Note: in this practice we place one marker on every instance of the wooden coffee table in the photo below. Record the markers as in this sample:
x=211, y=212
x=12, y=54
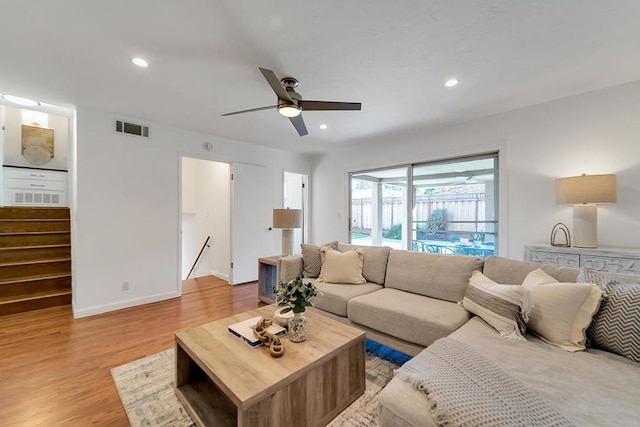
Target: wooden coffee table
x=221, y=381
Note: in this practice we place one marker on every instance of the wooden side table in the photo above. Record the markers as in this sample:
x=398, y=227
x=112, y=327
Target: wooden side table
x=267, y=278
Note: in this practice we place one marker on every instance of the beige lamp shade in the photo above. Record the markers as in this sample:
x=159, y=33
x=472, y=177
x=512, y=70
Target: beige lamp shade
x=287, y=218
x=581, y=189
x=584, y=192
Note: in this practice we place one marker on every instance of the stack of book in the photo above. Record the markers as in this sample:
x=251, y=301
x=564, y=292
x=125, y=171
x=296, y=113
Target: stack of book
x=244, y=331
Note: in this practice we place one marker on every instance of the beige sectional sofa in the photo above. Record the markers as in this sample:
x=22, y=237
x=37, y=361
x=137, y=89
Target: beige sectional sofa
x=411, y=300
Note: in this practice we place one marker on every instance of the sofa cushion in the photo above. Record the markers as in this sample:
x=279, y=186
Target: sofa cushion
x=311, y=260
x=374, y=268
x=592, y=387
x=438, y=276
x=562, y=312
x=341, y=267
x=616, y=326
x=401, y=404
x=512, y=272
x=505, y=307
x=410, y=317
x=334, y=297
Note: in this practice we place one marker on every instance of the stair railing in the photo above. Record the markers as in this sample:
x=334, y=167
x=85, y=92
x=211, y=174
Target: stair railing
x=206, y=245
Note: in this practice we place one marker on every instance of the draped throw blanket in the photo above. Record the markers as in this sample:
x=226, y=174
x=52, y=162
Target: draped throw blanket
x=464, y=388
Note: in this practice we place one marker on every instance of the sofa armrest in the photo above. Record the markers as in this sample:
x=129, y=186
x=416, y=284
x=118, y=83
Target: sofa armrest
x=289, y=267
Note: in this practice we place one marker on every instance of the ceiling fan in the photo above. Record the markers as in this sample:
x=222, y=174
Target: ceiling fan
x=290, y=103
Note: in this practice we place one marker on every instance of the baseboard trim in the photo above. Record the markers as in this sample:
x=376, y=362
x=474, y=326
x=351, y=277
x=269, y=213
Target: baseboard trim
x=99, y=309
x=220, y=275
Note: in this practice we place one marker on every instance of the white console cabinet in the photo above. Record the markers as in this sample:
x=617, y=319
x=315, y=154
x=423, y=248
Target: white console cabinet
x=613, y=260
x=34, y=187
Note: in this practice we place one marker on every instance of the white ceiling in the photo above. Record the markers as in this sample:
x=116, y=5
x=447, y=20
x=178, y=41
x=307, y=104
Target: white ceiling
x=393, y=56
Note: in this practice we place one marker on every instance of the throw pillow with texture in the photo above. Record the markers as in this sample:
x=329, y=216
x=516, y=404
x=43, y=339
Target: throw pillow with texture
x=616, y=326
x=311, y=260
x=561, y=311
x=341, y=267
x=587, y=275
x=505, y=307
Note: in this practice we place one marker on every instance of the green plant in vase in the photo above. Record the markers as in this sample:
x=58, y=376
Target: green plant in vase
x=296, y=295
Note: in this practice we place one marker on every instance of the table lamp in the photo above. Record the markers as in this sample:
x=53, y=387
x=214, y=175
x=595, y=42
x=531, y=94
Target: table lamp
x=584, y=192
x=287, y=220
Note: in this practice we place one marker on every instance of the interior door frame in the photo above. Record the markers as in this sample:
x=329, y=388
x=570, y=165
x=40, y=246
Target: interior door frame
x=305, y=200
x=181, y=155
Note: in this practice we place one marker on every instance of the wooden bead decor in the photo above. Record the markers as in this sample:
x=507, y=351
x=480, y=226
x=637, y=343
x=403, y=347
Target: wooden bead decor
x=275, y=345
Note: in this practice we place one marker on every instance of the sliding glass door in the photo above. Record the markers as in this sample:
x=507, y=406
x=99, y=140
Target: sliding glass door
x=379, y=207
x=445, y=207
x=455, y=206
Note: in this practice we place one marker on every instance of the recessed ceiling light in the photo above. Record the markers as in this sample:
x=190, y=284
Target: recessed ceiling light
x=25, y=102
x=451, y=83
x=140, y=62
x=323, y=126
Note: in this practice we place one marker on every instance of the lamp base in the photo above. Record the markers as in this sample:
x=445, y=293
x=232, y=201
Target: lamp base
x=287, y=241
x=585, y=226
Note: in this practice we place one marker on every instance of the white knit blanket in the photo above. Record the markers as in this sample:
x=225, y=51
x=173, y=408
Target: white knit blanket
x=464, y=388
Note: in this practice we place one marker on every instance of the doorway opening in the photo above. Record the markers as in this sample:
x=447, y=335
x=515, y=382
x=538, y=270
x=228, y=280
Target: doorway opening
x=295, y=193
x=205, y=213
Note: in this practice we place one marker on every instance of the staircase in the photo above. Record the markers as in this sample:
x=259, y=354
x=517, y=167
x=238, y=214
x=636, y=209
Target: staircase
x=35, y=258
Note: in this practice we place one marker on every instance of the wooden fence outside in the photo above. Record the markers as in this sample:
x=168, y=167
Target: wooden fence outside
x=458, y=207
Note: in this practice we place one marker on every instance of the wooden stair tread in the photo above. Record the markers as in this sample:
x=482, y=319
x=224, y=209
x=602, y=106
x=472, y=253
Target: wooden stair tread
x=60, y=245
x=34, y=296
x=34, y=219
x=34, y=278
x=20, y=233
x=35, y=261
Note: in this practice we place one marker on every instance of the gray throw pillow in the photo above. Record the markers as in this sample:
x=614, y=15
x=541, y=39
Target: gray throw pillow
x=616, y=326
x=311, y=260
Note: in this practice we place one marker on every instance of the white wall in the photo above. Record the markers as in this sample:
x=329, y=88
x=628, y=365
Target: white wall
x=126, y=217
x=206, y=207
x=597, y=132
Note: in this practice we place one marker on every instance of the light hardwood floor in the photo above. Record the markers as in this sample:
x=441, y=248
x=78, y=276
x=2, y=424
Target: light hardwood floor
x=55, y=371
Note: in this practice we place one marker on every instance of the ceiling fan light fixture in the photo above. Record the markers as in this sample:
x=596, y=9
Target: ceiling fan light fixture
x=289, y=110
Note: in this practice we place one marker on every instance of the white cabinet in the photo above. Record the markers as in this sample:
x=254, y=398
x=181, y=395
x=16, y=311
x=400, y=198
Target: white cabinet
x=34, y=187
x=613, y=260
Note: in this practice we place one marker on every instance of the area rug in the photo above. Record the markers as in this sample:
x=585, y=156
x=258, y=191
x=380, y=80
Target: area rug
x=146, y=390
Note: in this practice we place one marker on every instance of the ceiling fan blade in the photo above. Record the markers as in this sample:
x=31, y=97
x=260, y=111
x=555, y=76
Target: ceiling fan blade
x=328, y=105
x=298, y=123
x=250, y=110
x=275, y=84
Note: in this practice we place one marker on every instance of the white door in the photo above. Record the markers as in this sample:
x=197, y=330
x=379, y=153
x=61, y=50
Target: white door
x=251, y=218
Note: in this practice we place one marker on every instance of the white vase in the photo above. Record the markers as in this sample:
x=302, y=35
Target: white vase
x=298, y=328
x=281, y=318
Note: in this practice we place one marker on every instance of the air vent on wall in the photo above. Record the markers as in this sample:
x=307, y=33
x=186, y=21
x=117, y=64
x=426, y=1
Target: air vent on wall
x=132, y=129
x=30, y=198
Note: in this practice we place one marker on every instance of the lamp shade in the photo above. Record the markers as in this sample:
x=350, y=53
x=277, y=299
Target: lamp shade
x=287, y=218
x=581, y=189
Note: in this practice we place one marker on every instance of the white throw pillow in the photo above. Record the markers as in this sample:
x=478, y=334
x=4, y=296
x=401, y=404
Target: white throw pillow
x=341, y=267
x=561, y=311
x=505, y=307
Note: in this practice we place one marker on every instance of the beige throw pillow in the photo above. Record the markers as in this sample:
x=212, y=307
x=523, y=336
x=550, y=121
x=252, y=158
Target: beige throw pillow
x=311, y=261
x=341, y=267
x=505, y=307
x=561, y=311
